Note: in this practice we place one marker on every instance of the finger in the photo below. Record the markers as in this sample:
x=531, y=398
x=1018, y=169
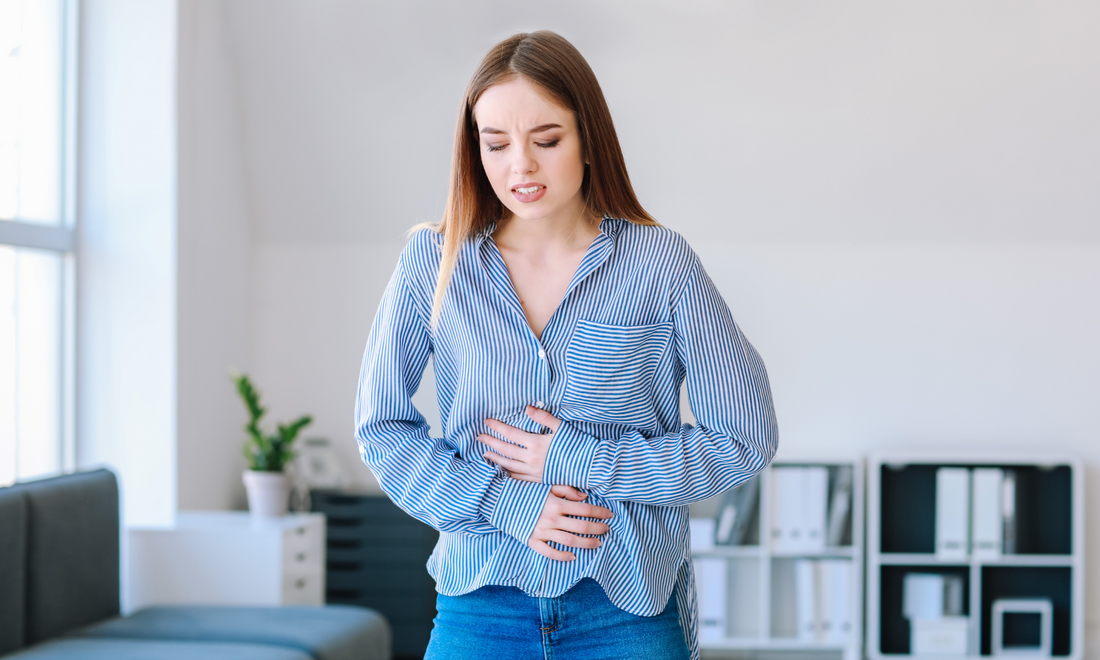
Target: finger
x=565, y=538
x=585, y=510
x=501, y=447
x=546, y=551
x=578, y=526
x=542, y=417
x=513, y=466
x=509, y=432
x=526, y=477
x=568, y=492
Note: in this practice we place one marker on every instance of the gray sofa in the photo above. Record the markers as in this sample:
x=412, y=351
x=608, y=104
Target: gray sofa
x=59, y=586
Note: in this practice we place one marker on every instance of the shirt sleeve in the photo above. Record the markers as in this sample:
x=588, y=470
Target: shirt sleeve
x=425, y=476
x=728, y=390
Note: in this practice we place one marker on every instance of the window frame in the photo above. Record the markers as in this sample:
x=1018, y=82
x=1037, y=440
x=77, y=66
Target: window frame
x=61, y=238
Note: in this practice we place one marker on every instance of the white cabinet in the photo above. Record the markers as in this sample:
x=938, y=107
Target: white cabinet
x=227, y=558
x=779, y=567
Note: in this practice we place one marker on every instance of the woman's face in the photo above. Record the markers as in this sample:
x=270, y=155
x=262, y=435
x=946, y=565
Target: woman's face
x=531, y=152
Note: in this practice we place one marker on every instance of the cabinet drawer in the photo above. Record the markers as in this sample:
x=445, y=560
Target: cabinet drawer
x=339, y=505
x=394, y=578
x=407, y=554
x=394, y=605
x=303, y=588
x=299, y=555
x=304, y=538
x=398, y=606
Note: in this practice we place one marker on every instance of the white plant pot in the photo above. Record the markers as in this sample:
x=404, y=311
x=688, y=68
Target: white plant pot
x=268, y=493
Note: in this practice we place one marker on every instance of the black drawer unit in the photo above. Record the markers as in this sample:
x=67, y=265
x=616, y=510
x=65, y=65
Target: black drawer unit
x=375, y=558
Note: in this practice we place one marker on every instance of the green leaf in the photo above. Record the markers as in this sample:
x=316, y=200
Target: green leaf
x=263, y=452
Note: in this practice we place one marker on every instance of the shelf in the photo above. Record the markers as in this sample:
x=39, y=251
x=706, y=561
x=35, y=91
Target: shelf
x=827, y=553
x=1029, y=560
x=756, y=551
x=1046, y=530
x=929, y=559
x=734, y=551
x=1051, y=583
x=767, y=644
x=1043, y=507
x=917, y=559
x=762, y=583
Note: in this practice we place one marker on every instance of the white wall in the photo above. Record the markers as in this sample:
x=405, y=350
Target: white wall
x=215, y=263
x=126, y=411
x=898, y=201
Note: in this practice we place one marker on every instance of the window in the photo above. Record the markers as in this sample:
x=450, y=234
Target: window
x=37, y=264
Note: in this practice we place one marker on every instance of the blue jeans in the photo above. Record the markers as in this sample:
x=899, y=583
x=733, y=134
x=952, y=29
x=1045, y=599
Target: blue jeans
x=503, y=623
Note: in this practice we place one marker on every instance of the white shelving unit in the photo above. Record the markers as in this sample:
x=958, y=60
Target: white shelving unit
x=761, y=599
x=1049, y=562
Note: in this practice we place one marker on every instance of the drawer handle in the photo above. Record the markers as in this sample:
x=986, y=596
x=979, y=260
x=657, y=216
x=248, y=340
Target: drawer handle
x=301, y=531
x=301, y=556
x=300, y=583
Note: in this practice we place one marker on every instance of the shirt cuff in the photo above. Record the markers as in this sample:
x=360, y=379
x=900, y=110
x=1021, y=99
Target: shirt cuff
x=514, y=506
x=570, y=458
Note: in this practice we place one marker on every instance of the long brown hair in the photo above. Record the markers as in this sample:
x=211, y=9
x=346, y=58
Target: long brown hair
x=557, y=68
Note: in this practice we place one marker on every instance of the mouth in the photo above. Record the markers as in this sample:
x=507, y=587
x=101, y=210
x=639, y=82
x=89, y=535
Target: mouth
x=528, y=192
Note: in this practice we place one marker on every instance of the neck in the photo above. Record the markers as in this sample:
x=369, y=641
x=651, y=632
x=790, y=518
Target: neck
x=568, y=232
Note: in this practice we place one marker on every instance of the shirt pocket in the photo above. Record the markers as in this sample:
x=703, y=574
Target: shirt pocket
x=610, y=371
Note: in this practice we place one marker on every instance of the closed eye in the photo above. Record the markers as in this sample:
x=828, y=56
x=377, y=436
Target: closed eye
x=545, y=145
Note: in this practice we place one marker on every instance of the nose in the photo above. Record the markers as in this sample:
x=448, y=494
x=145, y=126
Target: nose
x=523, y=161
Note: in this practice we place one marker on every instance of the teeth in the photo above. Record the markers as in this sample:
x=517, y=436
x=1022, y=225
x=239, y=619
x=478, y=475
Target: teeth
x=528, y=191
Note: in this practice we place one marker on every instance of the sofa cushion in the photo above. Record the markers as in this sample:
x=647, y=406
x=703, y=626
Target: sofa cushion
x=143, y=649
x=13, y=557
x=333, y=632
x=72, y=552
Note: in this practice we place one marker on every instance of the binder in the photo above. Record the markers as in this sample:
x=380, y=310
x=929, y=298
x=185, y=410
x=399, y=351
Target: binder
x=724, y=522
x=931, y=596
x=711, y=589
x=987, y=514
x=922, y=596
x=806, y=599
x=786, y=488
x=836, y=615
x=840, y=507
x=1008, y=511
x=952, y=595
x=736, y=513
x=815, y=501
x=702, y=534
x=952, y=513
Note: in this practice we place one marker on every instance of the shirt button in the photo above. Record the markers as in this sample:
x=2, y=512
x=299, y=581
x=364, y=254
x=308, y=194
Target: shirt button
x=542, y=354
x=538, y=404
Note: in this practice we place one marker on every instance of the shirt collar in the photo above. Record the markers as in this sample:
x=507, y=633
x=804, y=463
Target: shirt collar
x=608, y=226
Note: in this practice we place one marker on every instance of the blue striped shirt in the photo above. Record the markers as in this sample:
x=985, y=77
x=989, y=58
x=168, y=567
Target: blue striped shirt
x=639, y=318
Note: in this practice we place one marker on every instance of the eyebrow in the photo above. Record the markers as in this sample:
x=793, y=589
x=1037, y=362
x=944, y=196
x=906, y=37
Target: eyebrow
x=538, y=129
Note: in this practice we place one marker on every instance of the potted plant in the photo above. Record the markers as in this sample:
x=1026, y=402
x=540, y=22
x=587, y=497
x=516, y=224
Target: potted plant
x=268, y=488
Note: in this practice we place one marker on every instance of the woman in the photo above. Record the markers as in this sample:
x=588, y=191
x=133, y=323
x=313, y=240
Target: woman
x=562, y=320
